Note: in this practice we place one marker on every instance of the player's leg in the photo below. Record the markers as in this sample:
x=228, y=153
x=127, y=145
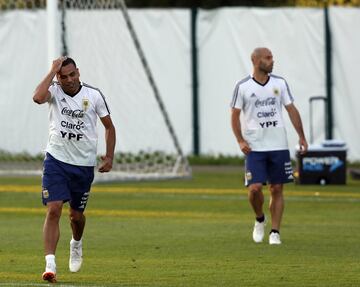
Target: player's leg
x=256, y=198
x=276, y=205
x=255, y=176
x=77, y=222
x=51, y=234
x=280, y=172
x=276, y=211
x=80, y=190
x=55, y=192
x=51, y=230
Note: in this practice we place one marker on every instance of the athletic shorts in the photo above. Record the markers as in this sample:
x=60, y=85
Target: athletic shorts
x=268, y=167
x=66, y=182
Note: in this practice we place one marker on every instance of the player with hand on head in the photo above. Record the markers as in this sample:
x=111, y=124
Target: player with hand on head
x=263, y=139
x=70, y=154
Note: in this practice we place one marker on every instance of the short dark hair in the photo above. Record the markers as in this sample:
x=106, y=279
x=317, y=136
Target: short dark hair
x=68, y=61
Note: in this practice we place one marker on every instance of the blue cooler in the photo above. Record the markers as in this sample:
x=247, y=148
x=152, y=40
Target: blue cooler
x=323, y=164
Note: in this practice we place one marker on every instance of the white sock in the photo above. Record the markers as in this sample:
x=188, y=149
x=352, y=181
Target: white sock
x=75, y=242
x=50, y=258
x=50, y=263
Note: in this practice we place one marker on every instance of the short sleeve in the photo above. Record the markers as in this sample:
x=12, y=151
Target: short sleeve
x=102, y=108
x=237, y=101
x=287, y=97
x=52, y=89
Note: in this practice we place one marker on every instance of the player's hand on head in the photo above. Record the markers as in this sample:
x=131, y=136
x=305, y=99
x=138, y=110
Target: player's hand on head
x=56, y=65
x=106, y=164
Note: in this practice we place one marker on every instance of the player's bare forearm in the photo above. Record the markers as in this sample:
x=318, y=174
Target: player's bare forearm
x=110, y=136
x=236, y=127
x=42, y=94
x=110, y=140
x=297, y=123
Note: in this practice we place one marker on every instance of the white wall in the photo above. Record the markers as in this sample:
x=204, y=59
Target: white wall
x=23, y=61
x=226, y=38
x=345, y=23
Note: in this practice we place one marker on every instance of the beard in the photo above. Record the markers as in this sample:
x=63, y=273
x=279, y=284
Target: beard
x=266, y=69
x=71, y=89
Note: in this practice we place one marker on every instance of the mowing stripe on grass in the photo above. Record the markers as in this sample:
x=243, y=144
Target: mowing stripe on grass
x=240, y=191
x=132, y=213
x=48, y=284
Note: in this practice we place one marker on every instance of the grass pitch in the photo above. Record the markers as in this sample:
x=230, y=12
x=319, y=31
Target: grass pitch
x=186, y=233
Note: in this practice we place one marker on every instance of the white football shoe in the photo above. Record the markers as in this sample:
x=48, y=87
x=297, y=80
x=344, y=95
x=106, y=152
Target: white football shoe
x=259, y=231
x=274, y=238
x=75, y=260
x=50, y=272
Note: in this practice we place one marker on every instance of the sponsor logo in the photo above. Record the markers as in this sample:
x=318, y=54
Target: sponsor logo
x=253, y=95
x=71, y=135
x=63, y=100
x=45, y=193
x=264, y=103
x=272, y=113
x=72, y=113
x=319, y=163
x=78, y=126
x=269, y=124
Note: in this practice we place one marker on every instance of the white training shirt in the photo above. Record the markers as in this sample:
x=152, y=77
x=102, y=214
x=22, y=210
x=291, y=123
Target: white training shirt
x=262, y=123
x=72, y=132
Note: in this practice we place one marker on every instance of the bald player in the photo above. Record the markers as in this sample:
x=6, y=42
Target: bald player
x=262, y=138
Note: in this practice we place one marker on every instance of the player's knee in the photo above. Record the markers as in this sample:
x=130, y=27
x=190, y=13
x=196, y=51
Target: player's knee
x=76, y=217
x=276, y=189
x=53, y=212
x=255, y=188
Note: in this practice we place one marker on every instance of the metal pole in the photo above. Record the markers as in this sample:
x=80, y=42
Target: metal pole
x=328, y=67
x=195, y=83
x=52, y=31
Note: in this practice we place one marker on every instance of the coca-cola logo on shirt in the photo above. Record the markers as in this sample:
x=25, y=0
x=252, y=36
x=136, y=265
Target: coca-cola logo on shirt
x=264, y=103
x=72, y=113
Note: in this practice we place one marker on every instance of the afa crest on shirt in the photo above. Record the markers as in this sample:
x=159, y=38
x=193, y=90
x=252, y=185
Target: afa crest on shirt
x=276, y=92
x=85, y=104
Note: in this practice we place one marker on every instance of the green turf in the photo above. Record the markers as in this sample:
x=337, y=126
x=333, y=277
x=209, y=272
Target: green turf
x=187, y=233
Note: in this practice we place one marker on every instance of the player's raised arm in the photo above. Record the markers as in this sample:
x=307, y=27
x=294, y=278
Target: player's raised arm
x=42, y=94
